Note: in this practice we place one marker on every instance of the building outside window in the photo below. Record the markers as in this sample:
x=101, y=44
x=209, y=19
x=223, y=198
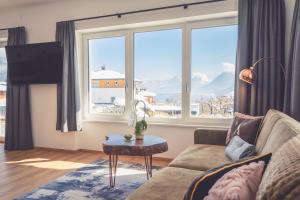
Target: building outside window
x=106, y=67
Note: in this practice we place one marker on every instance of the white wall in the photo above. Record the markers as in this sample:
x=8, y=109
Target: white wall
x=40, y=24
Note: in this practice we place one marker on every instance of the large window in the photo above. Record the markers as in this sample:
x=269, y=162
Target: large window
x=107, y=75
x=3, y=74
x=182, y=72
x=157, y=71
x=212, y=71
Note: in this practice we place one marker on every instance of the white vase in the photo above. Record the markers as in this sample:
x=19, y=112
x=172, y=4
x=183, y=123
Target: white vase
x=139, y=136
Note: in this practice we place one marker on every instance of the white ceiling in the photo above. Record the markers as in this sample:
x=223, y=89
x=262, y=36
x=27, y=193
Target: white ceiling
x=17, y=3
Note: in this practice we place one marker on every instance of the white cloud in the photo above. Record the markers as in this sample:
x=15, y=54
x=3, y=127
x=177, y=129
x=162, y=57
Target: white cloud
x=201, y=76
x=228, y=67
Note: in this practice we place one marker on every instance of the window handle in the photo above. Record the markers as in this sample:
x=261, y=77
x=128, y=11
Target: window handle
x=187, y=88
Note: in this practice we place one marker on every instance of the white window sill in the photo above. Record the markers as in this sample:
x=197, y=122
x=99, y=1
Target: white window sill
x=195, y=123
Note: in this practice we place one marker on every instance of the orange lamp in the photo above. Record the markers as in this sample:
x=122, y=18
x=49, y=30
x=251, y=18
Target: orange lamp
x=248, y=75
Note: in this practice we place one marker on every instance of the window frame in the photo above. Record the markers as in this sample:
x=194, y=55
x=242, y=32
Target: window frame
x=186, y=27
x=200, y=25
x=86, y=76
x=3, y=44
x=3, y=38
x=164, y=28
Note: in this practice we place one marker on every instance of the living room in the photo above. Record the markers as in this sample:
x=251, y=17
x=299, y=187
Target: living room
x=147, y=75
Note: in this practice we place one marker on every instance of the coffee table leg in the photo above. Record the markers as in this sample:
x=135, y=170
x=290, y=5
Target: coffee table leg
x=113, y=163
x=148, y=164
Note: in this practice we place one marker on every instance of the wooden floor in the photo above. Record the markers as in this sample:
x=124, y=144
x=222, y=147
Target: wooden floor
x=24, y=171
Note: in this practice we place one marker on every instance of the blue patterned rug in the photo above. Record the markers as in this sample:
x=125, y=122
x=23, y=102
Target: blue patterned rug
x=92, y=182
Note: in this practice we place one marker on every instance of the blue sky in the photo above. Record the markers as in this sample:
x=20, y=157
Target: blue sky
x=213, y=50
x=109, y=52
x=158, y=56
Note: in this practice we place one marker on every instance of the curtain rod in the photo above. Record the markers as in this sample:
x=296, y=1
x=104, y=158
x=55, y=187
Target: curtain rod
x=6, y=29
x=119, y=15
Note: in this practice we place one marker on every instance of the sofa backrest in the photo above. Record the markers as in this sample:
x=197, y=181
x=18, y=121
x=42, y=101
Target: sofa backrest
x=282, y=176
x=276, y=129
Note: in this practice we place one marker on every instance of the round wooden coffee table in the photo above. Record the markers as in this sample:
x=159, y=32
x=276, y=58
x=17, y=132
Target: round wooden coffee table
x=116, y=145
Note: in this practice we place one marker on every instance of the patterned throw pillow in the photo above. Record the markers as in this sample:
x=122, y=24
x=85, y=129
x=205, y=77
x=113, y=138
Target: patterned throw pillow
x=202, y=184
x=246, y=126
x=238, y=149
x=239, y=183
x=281, y=180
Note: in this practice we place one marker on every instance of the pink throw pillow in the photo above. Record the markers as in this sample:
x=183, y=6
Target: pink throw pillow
x=239, y=183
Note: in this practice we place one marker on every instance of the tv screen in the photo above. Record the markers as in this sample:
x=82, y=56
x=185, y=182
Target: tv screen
x=35, y=63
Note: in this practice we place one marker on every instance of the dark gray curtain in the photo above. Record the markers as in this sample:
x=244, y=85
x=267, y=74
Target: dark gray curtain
x=261, y=34
x=68, y=100
x=292, y=91
x=18, y=130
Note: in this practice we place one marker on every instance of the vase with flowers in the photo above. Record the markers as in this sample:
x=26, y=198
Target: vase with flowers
x=140, y=125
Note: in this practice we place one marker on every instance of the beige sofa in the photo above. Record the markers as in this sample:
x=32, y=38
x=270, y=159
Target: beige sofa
x=172, y=182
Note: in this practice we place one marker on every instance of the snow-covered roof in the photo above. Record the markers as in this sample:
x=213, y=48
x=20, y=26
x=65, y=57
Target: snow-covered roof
x=144, y=93
x=120, y=102
x=106, y=75
x=109, y=75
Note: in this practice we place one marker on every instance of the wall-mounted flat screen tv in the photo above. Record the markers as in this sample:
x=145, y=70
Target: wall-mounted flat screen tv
x=35, y=63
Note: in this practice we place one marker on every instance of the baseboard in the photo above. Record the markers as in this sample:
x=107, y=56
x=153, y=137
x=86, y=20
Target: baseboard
x=91, y=151
x=54, y=149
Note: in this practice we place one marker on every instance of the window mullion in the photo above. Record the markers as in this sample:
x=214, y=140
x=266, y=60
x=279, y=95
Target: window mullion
x=129, y=69
x=186, y=71
x=86, y=89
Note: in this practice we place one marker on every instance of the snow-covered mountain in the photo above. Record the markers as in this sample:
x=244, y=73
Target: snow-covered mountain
x=200, y=79
x=221, y=85
x=172, y=85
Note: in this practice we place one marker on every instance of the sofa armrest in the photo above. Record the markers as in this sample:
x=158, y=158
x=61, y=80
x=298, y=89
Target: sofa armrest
x=210, y=136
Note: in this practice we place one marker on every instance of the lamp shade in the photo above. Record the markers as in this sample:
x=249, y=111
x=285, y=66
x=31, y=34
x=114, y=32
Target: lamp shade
x=248, y=75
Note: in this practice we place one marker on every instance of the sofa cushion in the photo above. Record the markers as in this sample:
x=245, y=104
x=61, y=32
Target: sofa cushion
x=201, y=157
x=239, y=183
x=283, y=130
x=168, y=184
x=266, y=127
x=238, y=149
x=281, y=180
x=246, y=126
x=200, y=187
